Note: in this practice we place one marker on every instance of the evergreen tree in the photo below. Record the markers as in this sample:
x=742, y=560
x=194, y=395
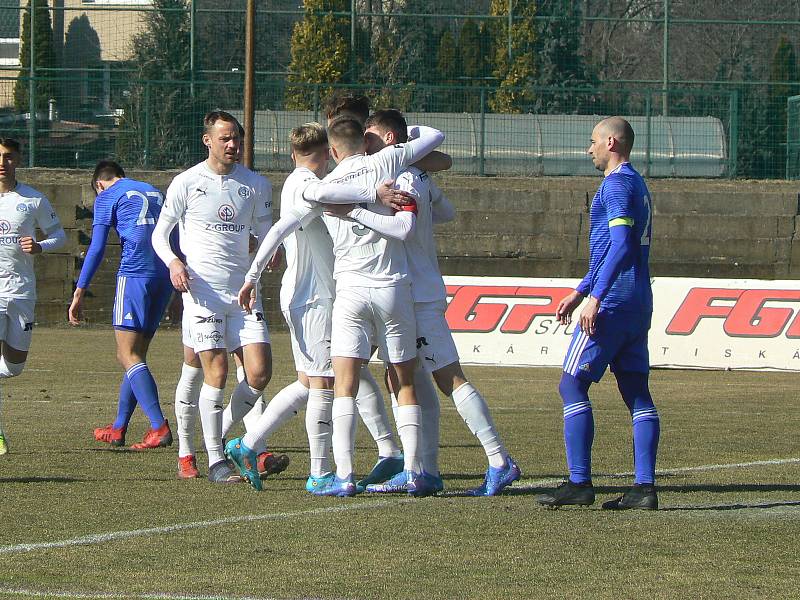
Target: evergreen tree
x=472, y=50
x=45, y=58
x=783, y=68
x=160, y=115
x=320, y=52
x=517, y=72
x=559, y=60
x=81, y=50
x=447, y=70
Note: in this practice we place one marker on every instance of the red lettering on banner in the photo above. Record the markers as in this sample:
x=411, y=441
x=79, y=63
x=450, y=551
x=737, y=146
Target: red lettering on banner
x=467, y=313
x=750, y=318
x=697, y=306
x=747, y=317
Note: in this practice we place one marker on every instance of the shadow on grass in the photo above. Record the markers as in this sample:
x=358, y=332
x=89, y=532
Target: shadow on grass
x=42, y=479
x=738, y=506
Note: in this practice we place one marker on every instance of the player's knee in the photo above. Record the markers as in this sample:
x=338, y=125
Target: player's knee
x=9, y=369
x=572, y=389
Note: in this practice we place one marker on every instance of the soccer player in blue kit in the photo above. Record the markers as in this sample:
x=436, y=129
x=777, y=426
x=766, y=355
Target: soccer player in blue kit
x=143, y=293
x=613, y=325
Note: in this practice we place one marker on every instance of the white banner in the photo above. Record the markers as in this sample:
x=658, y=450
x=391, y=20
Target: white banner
x=697, y=323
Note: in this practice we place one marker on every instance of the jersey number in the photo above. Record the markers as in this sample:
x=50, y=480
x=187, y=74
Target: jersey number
x=646, y=234
x=144, y=218
x=361, y=230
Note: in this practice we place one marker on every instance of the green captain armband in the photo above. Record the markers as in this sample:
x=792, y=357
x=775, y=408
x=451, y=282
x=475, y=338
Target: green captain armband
x=621, y=221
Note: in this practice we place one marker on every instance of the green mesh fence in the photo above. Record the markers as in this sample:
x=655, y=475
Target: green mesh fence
x=516, y=85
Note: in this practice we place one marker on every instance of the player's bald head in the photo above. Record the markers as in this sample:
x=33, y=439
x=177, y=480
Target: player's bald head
x=620, y=130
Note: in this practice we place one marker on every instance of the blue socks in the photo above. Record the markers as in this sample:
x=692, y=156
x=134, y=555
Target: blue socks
x=126, y=404
x=578, y=427
x=646, y=424
x=146, y=392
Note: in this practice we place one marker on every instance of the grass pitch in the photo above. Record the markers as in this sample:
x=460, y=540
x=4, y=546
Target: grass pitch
x=81, y=520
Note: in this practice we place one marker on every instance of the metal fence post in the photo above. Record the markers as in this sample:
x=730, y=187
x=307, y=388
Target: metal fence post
x=733, y=149
x=316, y=102
x=192, y=16
x=146, y=124
x=665, y=66
x=32, y=88
x=482, y=148
x=648, y=110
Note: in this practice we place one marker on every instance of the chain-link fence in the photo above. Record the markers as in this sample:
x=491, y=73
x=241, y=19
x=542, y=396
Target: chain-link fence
x=706, y=84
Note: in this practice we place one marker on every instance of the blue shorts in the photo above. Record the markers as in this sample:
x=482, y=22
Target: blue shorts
x=140, y=303
x=620, y=340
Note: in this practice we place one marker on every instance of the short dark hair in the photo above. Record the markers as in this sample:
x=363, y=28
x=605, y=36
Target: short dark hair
x=105, y=170
x=220, y=115
x=344, y=103
x=12, y=144
x=347, y=132
x=389, y=119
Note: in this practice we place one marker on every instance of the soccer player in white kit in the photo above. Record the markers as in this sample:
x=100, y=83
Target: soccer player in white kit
x=219, y=203
x=307, y=292
x=437, y=352
x=373, y=300
x=22, y=210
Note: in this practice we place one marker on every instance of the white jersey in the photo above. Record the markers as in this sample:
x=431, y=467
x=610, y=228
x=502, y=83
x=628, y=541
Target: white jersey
x=22, y=210
x=423, y=262
x=364, y=257
x=309, y=250
x=215, y=215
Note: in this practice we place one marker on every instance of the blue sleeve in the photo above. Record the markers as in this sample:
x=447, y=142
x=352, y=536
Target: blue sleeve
x=620, y=252
x=94, y=254
x=616, y=197
x=585, y=284
x=104, y=206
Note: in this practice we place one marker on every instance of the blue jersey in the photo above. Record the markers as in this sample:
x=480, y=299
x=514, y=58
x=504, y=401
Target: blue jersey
x=623, y=197
x=132, y=208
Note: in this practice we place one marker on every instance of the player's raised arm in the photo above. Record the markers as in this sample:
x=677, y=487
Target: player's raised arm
x=398, y=157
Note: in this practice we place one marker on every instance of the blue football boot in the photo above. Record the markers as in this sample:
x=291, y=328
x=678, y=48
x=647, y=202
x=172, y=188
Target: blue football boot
x=420, y=484
x=396, y=485
x=337, y=487
x=315, y=483
x=497, y=479
x=384, y=469
x=246, y=460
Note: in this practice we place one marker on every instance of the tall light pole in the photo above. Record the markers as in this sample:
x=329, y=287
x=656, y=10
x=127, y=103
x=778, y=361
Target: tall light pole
x=249, y=84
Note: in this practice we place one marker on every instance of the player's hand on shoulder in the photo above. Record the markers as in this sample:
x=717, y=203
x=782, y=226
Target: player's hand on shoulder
x=392, y=197
x=29, y=245
x=179, y=276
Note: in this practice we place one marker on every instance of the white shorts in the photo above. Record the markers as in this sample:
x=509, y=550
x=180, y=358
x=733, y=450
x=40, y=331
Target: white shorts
x=310, y=326
x=219, y=322
x=361, y=314
x=16, y=322
x=186, y=330
x=435, y=346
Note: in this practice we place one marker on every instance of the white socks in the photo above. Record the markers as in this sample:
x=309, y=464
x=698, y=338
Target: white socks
x=475, y=412
x=408, y=426
x=243, y=400
x=372, y=409
x=428, y=401
x=280, y=409
x=210, y=404
x=8, y=369
x=250, y=420
x=186, y=398
x=344, y=434
x=319, y=421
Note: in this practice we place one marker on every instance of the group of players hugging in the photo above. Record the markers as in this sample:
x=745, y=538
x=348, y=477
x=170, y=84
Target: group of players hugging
x=361, y=274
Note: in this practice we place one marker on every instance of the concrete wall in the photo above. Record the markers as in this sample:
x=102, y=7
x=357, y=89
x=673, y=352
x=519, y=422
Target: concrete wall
x=505, y=227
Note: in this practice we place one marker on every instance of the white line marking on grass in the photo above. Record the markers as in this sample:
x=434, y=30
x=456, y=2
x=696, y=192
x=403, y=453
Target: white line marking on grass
x=106, y=595
x=102, y=538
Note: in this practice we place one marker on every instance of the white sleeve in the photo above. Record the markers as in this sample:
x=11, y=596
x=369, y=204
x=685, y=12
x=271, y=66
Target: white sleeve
x=399, y=226
x=263, y=205
x=174, y=208
x=400, y=156
x=269, y=244
x=442, y=209
x=46, y=217
x=54, y=241
x=338, y=193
